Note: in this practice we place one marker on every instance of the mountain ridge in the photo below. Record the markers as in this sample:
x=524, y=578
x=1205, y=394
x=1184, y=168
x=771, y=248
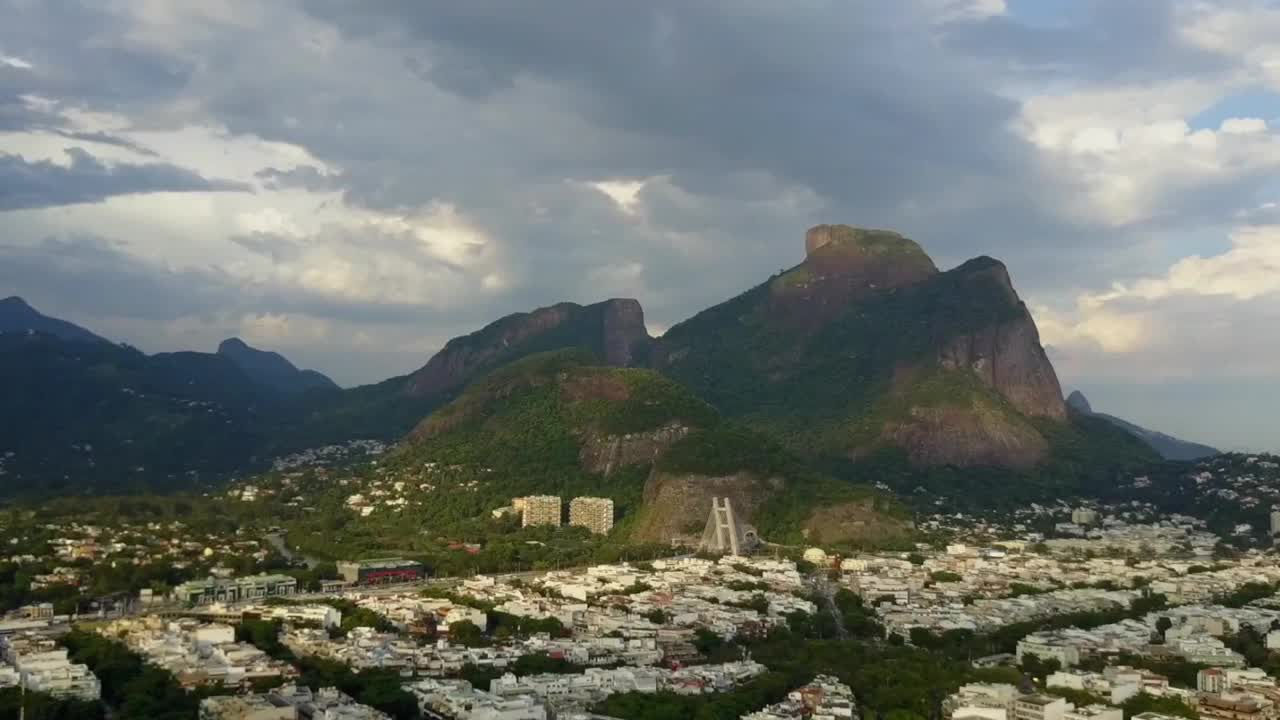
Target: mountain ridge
x=614, y=329
x=272, y=369
x=17, y=315
x=1169, y=447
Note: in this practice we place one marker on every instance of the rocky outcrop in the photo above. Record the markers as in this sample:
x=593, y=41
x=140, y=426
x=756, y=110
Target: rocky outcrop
x=624, y=336
x=966, y=437
x=1078, y=402
x=842, y=265
x=613, y=329
x=606, y=453
x=676, y=506
x=1005, y=350
x=1169, y=447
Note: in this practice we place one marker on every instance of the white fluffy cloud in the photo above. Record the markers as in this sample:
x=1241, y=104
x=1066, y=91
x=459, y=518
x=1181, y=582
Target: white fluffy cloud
x=1204, y=317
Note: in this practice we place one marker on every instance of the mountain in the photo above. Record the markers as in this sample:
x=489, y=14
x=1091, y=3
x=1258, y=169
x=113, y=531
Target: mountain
x=864, y=351
x=614, y=330
x=559, y=423
x=79, y=417
x=272, y=369
x=1169, y=447
x=866, y=345
x=202, y=415
x=17, y=316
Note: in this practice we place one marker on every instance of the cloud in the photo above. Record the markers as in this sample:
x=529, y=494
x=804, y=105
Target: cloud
x=1203, y=317
x=306, y=177
x=14, y=62
x=86, y=179
x=420, y=167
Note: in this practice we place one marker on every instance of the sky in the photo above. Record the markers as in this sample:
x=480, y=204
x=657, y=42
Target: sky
x=353, y=183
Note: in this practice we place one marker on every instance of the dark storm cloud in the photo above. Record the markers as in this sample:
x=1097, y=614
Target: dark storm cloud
x=78, y=58
x=25, y=185
x=98, y=278
x=853, y=102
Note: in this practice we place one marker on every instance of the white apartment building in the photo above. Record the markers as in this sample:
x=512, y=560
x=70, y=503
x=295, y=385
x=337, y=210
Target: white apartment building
x=1067, y=655
x=1040, y=707
x=41, y=665
x=1094, y=712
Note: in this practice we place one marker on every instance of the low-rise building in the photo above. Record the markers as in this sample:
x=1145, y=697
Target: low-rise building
x=1040, y=707
x=1233, y=706
x=230, y=590
x=381, y=571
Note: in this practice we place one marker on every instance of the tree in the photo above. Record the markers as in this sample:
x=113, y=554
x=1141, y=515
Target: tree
x=1039, y=669
x=656, y=616
x=1163, y=625
x=465, y=632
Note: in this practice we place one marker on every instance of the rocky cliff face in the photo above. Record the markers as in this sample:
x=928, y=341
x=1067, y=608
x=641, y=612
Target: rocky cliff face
x=676, y=506
x=966, y=436
x=843, y=265
x=613, y=329
x=1004, y=351
x=605, y=453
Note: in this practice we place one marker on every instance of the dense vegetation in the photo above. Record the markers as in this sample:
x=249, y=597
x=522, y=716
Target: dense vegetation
x=134, y=689
x=39, y=706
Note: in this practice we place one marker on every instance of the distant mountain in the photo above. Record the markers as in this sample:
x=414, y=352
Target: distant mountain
x=17, y=316
x=81, y=417
x=272, y=369
x=866, y=346
x=1169, y=447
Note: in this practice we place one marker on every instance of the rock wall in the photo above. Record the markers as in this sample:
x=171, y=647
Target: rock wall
x=1006, y=354
x=614, y=328
x=676, y=506
x=966, y=437
x=606, y=453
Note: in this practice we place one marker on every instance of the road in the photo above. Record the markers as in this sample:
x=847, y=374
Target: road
x=277, y=541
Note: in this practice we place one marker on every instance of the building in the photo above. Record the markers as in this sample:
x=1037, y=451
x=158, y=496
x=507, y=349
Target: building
x=1094, y=712
x=1084, y=516
x=1048, y=649
x=229, y=590
x=592, y=513
x=381, y=571
x=1234, y=707
x=980, y=701
x=1040, y=707
x=41, y=665
x=541, y=510
x=245, y=707
x=1275, y=522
